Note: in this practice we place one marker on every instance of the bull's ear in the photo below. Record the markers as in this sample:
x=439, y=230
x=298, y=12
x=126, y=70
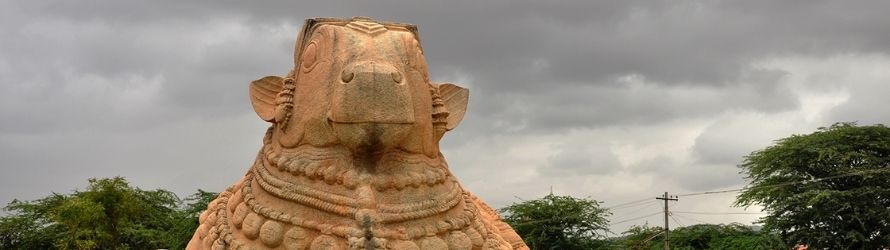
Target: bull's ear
x=263, y=94
x=455, y=99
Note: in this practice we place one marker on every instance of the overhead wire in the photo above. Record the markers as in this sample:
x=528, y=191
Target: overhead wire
x=648, y=202
x=629, y=203
x=694, y=219
x=653, y=236
x=636, y=218
x=644, y=216
x=671, y=214
x=634, y=212
x=545, y=220
x=715, y=213
x=576, y=216
x=861, y=172
x=714, y=192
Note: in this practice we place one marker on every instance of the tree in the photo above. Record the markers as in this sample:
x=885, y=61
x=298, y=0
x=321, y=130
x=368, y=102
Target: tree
x=559, y=222
x=702, y=236
x=30, y=227
x=829, y=189
x=109, y=214
x=724, y=236
x=186, y=219
x=642, y=237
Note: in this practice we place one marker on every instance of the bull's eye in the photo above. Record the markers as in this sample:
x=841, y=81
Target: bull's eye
x=309, y=56
x=397, y=77
x=346, y=76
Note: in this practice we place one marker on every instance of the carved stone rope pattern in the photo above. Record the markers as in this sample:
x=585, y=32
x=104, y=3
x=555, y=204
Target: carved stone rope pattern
x=252, y=218
x=345, y=206
x=334, y=167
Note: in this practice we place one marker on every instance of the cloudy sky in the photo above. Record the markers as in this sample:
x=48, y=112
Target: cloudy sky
x=618, y=101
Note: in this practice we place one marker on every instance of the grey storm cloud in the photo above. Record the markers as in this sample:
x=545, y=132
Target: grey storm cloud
x=514, y=51
x=580, y=157
x=157, y=90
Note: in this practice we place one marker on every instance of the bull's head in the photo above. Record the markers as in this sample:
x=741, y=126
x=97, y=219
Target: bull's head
x=360, y=84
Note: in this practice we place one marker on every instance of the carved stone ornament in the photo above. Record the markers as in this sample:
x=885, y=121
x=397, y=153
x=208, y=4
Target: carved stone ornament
x=352, y=158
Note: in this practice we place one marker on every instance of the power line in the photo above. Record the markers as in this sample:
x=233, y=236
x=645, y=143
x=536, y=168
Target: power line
x=632, y=213
x=577, y=216
x=637, y=218
x=548, y=219
x=713, y=192
x=715, y=213
x=613, y=233
x=650, y=238
x=648, y=202
x=862, y=172
x=675, y=220
x=654, y=202
x=694, y=219
x=629, y=203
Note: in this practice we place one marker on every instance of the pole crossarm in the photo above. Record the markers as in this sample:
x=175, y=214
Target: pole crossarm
x=667, y=229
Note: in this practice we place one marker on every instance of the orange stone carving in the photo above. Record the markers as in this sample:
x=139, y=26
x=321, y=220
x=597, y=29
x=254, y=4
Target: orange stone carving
x=352, y=158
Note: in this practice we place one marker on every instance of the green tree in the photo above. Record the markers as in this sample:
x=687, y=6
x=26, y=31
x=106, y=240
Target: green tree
x=30, y=225
x=702, y=236
x=80, y=217
x=829, y=189
x=559, y=222
x=642, y=237
x=185, y=221
x=724, y=236
x=109, y=214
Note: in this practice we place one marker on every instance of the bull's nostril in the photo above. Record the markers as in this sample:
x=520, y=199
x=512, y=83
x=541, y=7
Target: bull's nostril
x=396, y=76
x=347, y=76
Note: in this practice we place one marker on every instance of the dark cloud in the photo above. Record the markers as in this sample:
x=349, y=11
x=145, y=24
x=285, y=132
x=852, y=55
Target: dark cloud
x=683, y=175
x=156, y=91
x=514, y=51
x=866, y=86
x=632, y=100
x=580, y=158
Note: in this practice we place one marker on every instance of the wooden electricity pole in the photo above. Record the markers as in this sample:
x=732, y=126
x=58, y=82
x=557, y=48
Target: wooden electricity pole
x=667, y=230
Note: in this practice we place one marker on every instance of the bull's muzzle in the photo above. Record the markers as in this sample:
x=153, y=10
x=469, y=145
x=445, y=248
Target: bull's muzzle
x=371, y=92
x=371, y=107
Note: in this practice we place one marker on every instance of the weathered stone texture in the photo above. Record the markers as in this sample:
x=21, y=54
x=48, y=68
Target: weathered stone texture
x=352, y=158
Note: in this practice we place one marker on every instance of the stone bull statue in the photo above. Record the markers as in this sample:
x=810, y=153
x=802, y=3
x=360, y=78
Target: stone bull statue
x=352, y=158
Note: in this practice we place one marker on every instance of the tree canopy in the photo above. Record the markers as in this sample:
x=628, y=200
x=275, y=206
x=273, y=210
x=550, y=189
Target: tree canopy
x=702, y=236
x=559, y=222
x=109, y=214
x=829, y=189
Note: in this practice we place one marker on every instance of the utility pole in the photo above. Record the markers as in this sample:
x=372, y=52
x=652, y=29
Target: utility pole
x=667, y=229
